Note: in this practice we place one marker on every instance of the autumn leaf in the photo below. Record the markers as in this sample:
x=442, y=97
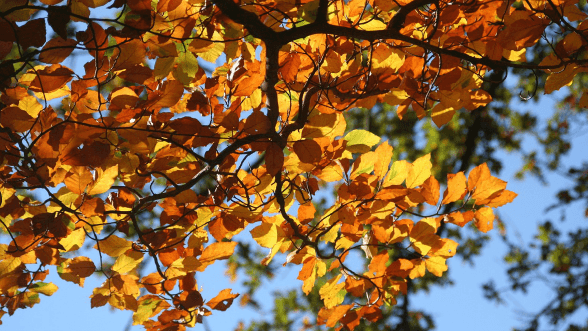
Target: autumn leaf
x=430, y=190
x=223, y=300
x=330, y=317
x=274, y=159
x=51, y=78
x=44, y=288
x=148, y=307
x=188, y=121
x=419, y=172
x=216, y=251
x=423, y=236
x=81, y=266
x=74, y=241
x=56, y=50
x=360, y=141
x=308, y=151
x=484, y=219
x=456, y=188
x=114, y=246
x=127, y=262
x=104, y=180
x=331, y=292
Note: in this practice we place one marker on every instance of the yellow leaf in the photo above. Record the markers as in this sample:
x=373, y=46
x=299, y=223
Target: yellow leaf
x=445, y=247
x=266, y=234
x=74, y=240
x=44, y=288
x=384, y=154
x=373, y=25
x=149, y=306
x=9, y=264
x=360, y=141
x=436, y=265
x=397, y=173
x=331, y=173
x=104, y=180
x=423, y=237
x=114, y=246
x=330, y=292
x=396, y=96
x=364, y=164
x=420, y=171
x=418, y=270
x=30, y=105
x=127, y=262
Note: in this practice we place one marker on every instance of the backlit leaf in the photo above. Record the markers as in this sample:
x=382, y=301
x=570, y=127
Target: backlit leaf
x=127, y=262
x=419, y=172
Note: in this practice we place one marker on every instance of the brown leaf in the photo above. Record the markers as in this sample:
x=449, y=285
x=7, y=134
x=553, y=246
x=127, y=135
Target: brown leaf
x=58, y=17
x=274, y=159
x=308, y=151
x=56, y=50
x=32, y=33
x=51, y=78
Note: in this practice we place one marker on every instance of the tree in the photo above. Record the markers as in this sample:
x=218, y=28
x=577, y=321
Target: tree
x=145, y=154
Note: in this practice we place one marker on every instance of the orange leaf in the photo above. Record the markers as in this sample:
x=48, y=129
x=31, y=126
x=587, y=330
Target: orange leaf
x=217, y=251
x=423, y=235
x=484, y=219
x=505, y=197
x=478, y=174
x=456, y=188
x=400, y=268
x=488, y=189
x=330, y=317
x=223, y=300
x=442, y=114
x=430, y=191
x=557, y=80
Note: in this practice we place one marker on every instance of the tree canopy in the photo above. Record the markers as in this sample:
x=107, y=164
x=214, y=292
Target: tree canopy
x=196, y=128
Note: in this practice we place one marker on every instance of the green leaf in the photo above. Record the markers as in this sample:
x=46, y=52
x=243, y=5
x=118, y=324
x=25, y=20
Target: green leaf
x=361, y=141
x=187, y=67
x=44, y=288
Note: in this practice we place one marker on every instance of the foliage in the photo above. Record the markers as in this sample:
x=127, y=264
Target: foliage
x=144, y=155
